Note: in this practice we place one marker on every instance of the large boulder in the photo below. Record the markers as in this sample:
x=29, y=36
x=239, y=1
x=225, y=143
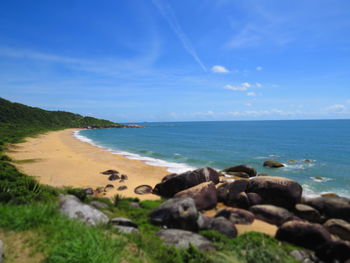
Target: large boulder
x=334, y=251
x=168, y=188
x=180, y=213
x=72, y=207
x=254, y=199
x=183, y=239
x=251, y=171
x=224, y=226
x=204, y=195
x=236, y=215
x=222, y=191
x=271, y=214
x=273, y=164
x=308, y=213
x=124, y=225
x=303, y=234
x=279, y=191
x=331, y=206
x=338, y=227
x=234, y=190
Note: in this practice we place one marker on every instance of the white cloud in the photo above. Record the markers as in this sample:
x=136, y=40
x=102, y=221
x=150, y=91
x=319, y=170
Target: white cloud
x=259, y=68
x=251, y=94
x=235, y=88
x=258, y=85
x=248, y=104
x=219, y=69
x=246, y=85
x=336, y=108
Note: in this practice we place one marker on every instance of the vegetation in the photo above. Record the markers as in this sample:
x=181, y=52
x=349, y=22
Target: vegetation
x=28, y=207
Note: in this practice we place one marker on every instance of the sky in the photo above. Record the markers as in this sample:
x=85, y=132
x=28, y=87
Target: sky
x=178, y=60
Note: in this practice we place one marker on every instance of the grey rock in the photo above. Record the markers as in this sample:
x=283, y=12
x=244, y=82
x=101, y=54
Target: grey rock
x=272, y=214
x=183, y=239
x=143, y=189
x=251, y=171
x=234, y=190
x=236, y=215
x=224, y=226
x=308, y=213
x=204, y=222
x=113, y=177
x=338, y=227
x=89, y=191
x=72, y=207
x=122, y=187
x=135, y=205
x=124, y=225
x=180, y=213
x=98, y=204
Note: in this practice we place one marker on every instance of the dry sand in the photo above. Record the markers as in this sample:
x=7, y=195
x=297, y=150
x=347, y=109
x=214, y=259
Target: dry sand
x=59, y=159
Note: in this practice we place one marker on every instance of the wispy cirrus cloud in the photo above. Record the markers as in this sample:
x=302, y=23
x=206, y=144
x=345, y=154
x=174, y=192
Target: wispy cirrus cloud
x=235, y=88
x=167, y=12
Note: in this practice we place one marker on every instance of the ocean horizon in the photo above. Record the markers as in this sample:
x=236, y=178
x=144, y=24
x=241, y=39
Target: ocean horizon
x=315, y=153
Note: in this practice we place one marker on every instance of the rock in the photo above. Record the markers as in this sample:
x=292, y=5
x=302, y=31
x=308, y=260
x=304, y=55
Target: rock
x=143, y=189
x=113, y=177
x=307, y=161
x=135, y=205
x=71, y=207
x=204, y=195
x=303, y=234
x=242, y=168
x=224, y=226
x=178, y=213
x=204, y=222
x=98, y=204
x=308, y=213
x=242, y=200
x=338, y=227
x=1, y=251
x=302, y=256
x=124, y=177
x=272, y=214
x=331, y=206
x=183, y=239
x=263, y=174
x=121, y=181
x=329, y=194
x=273, y=164
x=109, y=186
x=175, y=184
x=236, y=215
x=89, y=191
x=167, y=177
x=254, y=199
x=124, y=225
x=234, y=190
x=122, y=188
x=334, y=251
x=238, y=174
x=110, y=172
x=222, y=191
x=279, y=191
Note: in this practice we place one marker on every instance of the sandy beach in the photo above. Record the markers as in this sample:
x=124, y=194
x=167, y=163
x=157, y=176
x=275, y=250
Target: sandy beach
x=59, y=159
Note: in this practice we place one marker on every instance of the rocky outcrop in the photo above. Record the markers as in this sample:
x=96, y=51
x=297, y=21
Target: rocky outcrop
x=254, y=199
x=235, y=189
x=308, y=213
x=222, y=191
x=331, y=206
x=334, y=251
x=71, y=207
x=303, y=234
x=180, y=213
x=272, y=214
x=124, y=225
x=338, y=227
x=251, y=171
x=236, y=215
x=204, y=195
x=224, y=226
x=183, y=239
x=279, y=191
x=273, y=164
x=175, y=184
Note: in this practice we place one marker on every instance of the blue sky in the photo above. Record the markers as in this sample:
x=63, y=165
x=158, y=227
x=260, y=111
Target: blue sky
x=178, y=60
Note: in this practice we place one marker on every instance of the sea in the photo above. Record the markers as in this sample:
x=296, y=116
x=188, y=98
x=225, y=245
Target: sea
x=316, y=153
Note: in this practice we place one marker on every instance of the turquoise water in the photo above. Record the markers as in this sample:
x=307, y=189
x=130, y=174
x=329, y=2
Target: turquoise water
x=181, y=146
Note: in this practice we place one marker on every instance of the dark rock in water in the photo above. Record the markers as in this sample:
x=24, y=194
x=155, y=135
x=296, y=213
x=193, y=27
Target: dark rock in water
x=98, y=204
x=236, y=215
x=254, y=199
x=272, y=214
x=242, y=168
x=234, y=190
x=183, y=239
x=273, y=164
x=89, y=191
x=307, y=161
x=122, y=187
x=170, y=187
x=334, y=251
x=224, y=226
x=222, y=191
x=124, y=177
x=338, y=227
x=275, y=190
x=239, y=174
x=303, y=234
x=204, y=195
x=331, y=206
x=113, y=177
x=143, y=189
x=72, y=207
x=124, y=225
x=178, y=213
x=110, y=172
x=308, y=213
